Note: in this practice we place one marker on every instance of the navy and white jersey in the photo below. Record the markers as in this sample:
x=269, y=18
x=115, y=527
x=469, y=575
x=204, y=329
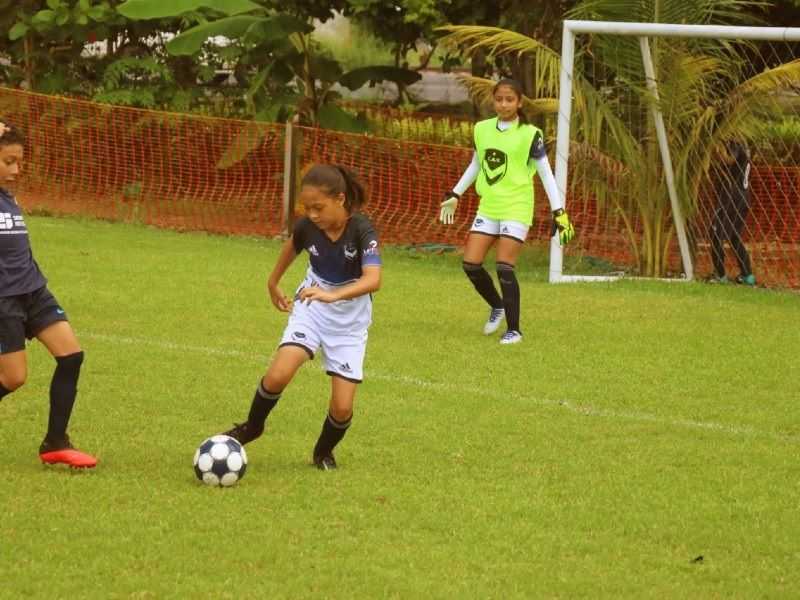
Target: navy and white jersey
x=339, y=262
x=333, y=264
x=19, y=273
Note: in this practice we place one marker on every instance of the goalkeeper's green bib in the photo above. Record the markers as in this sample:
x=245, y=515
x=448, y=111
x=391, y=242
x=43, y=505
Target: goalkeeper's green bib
x=505, y=181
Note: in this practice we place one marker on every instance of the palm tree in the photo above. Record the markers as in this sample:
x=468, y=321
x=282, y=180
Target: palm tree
x=709, y=94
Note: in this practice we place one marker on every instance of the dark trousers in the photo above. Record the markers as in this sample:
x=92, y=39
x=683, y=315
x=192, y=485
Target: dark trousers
x=727, y=225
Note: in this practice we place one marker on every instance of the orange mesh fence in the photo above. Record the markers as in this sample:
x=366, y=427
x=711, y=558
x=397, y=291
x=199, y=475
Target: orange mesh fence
x=170, y=170
x=770, y=232
x=405, y=182
x=226, y=176
x=770, y=227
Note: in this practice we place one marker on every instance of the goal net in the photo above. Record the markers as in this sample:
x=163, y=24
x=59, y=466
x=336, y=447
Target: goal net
x=678, y=151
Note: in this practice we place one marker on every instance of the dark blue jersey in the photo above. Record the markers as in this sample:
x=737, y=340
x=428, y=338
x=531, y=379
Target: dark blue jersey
x=19, y=273
x=734, y=180
x=338, y=262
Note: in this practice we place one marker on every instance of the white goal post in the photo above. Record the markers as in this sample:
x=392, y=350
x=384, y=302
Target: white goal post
x=643, y=31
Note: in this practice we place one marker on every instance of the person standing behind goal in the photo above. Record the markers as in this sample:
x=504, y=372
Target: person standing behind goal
x=508, y=151
x=733, y=206
x=332, y=307
x=29, y=310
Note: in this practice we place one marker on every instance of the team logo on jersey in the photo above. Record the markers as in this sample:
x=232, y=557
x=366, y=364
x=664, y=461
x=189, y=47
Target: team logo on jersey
x=9, y=221
x=298, y=335
x=478, y=221
x=494, y=165
x=372, y=248
x=312, y=249
x=538, y=147
x=350, y=251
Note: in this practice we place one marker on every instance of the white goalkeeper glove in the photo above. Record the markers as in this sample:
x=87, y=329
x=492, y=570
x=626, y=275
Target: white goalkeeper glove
x=448, y=210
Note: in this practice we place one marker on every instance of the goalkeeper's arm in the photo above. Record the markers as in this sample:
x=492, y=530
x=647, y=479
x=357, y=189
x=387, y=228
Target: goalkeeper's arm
x=561, y=222
x=450, y=202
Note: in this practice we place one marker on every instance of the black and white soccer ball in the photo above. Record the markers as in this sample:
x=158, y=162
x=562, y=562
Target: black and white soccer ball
x=220, y=461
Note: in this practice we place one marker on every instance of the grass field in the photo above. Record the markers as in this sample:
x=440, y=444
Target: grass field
x=637, y=428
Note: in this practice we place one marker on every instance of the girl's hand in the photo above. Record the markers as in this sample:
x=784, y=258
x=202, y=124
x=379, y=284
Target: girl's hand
x=315, y=292
x=279, y=299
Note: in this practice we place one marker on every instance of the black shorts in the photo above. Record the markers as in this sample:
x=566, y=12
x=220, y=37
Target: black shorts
x=26, y=315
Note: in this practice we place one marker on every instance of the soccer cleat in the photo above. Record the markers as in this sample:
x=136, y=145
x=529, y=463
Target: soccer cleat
x=244, y=433
x=325, y=462
x=61, y=451
x=511, y=337
x=496, y=316
x=746, y=279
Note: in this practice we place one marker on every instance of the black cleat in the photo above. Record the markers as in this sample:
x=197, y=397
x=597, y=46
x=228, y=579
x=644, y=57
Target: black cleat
x=325, y=462
x=244, y=433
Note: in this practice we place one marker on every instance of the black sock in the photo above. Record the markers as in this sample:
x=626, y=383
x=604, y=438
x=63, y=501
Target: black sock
x=510, y=287
x=63, y=389
x=332, y=433
x=3, y=391
x=483, y=283
x=263, y=402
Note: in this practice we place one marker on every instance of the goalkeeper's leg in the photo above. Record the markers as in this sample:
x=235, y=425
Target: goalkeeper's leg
x=508, y=249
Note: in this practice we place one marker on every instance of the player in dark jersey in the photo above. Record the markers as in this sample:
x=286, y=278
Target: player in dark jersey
x=332, y=307
x=29, y=310
x=733, y=206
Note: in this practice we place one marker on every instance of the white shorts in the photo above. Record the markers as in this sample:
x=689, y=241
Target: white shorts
x=512, y=229
x=343, y=352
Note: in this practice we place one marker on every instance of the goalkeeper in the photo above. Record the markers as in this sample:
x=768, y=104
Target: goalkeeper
x=508, y=151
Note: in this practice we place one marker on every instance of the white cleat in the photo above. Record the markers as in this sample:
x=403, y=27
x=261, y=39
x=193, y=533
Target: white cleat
x=511, y=337
x=496, y=316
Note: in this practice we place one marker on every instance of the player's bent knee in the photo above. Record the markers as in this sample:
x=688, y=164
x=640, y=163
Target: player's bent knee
x=276, y=381
x=506, y=273
x=71, y=363
x=13, y=381
x=472, y=270
x=342, y=415
x=504, y=267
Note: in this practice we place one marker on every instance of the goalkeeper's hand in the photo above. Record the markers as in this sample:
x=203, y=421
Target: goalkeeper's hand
x=448, y=210
x=562, y=225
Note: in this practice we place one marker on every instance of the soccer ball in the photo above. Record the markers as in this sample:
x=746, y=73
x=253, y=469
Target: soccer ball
x=220, y=460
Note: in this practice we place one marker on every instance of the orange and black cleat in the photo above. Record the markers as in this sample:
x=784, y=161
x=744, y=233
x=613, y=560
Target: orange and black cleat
x=61, y=452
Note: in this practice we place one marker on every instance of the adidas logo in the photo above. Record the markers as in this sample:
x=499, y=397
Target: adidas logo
x=345, y=367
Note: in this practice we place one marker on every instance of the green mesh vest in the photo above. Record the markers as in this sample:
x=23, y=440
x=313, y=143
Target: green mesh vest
x=505, y=182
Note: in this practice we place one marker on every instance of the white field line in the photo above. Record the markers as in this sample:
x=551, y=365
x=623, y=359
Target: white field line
x=570, y=406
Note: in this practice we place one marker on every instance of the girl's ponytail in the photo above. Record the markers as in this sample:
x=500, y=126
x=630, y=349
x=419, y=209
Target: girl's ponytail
x=335, y=180
x=354, y=194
